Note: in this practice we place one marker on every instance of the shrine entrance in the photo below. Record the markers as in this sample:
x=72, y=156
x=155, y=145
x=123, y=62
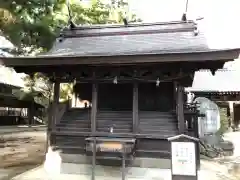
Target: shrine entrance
x=115, y=97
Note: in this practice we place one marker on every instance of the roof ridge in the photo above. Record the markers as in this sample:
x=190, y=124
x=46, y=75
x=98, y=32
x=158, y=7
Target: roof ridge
x=144, y=29
x=102, y=26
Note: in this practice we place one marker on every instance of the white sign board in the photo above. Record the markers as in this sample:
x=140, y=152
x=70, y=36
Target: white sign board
x=183, y=158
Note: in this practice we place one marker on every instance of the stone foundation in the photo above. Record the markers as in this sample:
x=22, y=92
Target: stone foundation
x=141, y=168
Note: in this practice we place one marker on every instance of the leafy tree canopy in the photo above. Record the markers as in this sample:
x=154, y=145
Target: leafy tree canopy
x=35, y=24
x=31, y=24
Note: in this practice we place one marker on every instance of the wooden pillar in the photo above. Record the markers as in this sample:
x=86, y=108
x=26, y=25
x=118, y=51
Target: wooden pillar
x=180, y=109
x=31, y=114
x=55, y=102
x=75, y=98
x=94, y=107
x=231, y=107
x=49, y=127
x=31, y=107
x=174, y=95
x=135, y=107
x=52, y=114
x=73, y=101
x=93, y=124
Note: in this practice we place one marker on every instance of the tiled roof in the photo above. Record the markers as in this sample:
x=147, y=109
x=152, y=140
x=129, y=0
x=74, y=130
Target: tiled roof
x=162, y=38
x=224, y=80
x=5, y=47
x=5, y=44
x=8, y=76
x=5, y=54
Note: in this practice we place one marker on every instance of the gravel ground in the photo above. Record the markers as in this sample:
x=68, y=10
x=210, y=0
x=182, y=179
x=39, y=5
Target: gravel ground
x=20, y=152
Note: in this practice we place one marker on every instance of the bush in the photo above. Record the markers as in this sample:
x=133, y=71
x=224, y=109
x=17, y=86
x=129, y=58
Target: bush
x=223, y=120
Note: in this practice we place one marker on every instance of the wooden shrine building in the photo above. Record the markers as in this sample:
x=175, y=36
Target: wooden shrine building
x=134, y=78
x=15, y=111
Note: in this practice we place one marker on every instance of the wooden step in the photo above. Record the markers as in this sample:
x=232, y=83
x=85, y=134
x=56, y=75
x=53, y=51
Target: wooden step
x=165, y=131
x=157, y=123
x=158, y=127
x=83, y=125
x=76, y=129
x=100, y=129
x=114, y=118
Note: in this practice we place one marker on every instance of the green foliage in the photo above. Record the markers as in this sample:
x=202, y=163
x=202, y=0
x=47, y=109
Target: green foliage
x=32, y=24
x=38, y=88
x=66, y=91
x=97, y=13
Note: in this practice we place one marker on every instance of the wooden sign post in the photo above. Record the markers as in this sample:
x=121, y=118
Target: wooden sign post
x=184, y=157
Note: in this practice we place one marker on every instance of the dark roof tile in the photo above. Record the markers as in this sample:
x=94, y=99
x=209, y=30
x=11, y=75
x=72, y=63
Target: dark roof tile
x=136, y=40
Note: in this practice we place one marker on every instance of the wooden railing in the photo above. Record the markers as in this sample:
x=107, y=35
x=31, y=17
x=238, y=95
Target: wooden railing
x=21, y=112
x=13, y=112
x=62, y=107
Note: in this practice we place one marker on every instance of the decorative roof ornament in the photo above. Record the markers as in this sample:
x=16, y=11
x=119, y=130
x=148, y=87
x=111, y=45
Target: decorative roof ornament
x=184, y=19
x=70, y=21
x=184, y=16
x=125, y=21
x=125, y=18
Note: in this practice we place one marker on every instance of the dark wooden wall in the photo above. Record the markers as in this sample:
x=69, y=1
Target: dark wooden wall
x=155, y=119
x=120, y=96
x=156, y=98
x=115, y=97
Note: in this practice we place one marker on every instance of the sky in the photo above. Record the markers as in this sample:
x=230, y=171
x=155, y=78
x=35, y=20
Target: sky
x=221, y=17
x=165, y=10
x=221, y=23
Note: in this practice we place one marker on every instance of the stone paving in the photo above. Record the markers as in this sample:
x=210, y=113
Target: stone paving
x=153, y=174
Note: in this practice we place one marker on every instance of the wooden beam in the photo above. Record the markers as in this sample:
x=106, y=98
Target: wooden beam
x=211, y=56
x=107, y=134
x=94, y=107
x=180, y=109
x=135, y=107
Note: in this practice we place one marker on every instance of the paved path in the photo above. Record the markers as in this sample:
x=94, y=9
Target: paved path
x=155, y=174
